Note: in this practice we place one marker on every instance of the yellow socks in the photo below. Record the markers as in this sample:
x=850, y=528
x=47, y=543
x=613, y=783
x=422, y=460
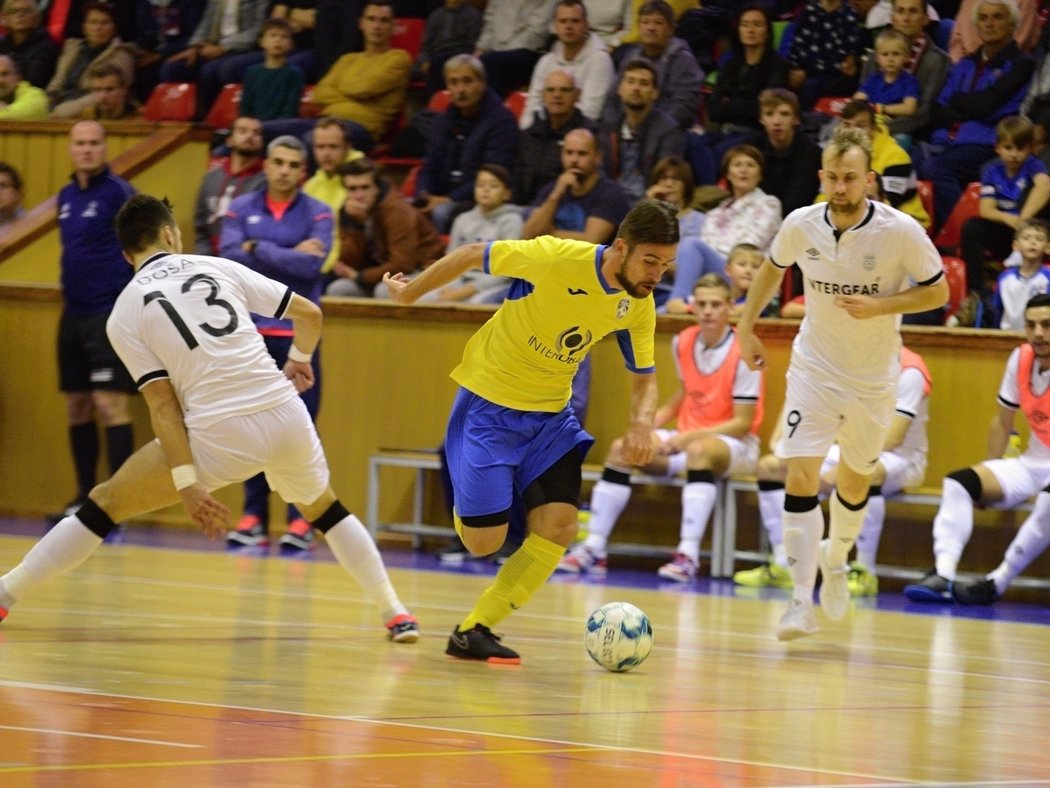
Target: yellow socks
x=517, y=580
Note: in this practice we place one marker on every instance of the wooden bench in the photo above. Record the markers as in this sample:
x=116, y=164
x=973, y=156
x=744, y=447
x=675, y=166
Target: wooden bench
x=423, y=461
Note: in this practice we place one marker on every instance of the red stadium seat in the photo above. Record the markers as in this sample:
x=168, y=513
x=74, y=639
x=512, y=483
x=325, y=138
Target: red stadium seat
x=408, y=35
x=947, y=239
x=516, y=102
x=438, y=103
x=832, y=105
x=955, y=272
x=226, y=107
x=307, y=107
x=925, y=191
x=408, y=185
x=172, y=101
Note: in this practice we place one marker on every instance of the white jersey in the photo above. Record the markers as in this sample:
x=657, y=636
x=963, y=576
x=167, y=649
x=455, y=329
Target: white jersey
x=880, y=256
x=186, y=317
x=913, y=404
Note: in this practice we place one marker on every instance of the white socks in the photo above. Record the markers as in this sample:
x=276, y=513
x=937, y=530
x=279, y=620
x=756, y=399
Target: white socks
x=64, y=547
x=952, y=527
x=698, y=500
x=608, y=500
x=871, y=532
x=843, y=529
x=802, y=533
x=355, y=551
x=1031, y=541
x=771, y=511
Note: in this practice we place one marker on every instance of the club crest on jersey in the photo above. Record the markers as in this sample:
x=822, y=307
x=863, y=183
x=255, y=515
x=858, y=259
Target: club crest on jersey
x=622, y=308
x=868, y=263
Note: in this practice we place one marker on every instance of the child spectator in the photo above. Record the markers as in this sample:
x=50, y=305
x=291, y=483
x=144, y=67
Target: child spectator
x=452, y=29
x=10, y=194
x=491, y=219
x=744, y=261
x=893, y=90
x=1013, y=187
x=273, y=88
x=1016, y=285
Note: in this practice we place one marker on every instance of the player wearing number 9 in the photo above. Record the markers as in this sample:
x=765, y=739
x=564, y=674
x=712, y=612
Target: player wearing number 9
x=220, y=408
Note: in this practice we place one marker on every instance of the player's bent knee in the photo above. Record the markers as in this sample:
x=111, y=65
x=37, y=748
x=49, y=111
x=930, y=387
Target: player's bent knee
x=770, y=468
x=970, y=481
x=483, y=534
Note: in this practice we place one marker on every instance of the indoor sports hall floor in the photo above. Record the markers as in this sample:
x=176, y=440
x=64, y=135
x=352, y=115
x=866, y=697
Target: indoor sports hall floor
x=167, y=661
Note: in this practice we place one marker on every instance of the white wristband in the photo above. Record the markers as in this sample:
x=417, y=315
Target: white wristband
x=184, y=476
x=295, y=354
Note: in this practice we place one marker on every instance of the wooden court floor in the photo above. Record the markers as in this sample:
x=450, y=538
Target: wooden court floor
x=152, y=667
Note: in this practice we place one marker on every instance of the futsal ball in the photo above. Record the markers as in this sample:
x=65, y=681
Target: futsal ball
x=619, y=636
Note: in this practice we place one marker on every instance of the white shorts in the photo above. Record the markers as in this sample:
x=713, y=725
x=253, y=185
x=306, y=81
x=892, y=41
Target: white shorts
x=1020, y=477
x=901, y=471
x=281, y=442
x=816, y=415
x=743, y=454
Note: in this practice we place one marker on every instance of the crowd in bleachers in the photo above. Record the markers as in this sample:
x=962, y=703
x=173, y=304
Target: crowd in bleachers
x=952, y=94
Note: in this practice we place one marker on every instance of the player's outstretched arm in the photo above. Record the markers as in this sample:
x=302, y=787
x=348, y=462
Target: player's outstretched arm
x=306, y=320
x=763, y=288
x=165, y=413
x=438, y=274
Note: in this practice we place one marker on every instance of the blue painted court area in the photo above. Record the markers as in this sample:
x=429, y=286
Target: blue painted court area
x=890, y=600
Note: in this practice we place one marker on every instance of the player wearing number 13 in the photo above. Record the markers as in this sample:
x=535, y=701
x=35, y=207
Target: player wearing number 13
x=858, y=260
x=220, y=408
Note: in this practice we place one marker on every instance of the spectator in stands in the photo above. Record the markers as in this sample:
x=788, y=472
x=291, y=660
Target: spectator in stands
x=336, y=32
x=893, y=90
x=366, y=90
x=999, y=482
x=635, y=134
x=10, y=194
x=111, y=95
x=981, y=90
x=966, y=39
x=1017, y=284
x=631, y=32
x=272, y=89
x=283, y=234
x=606, y=19
x=378, y=233
x=513, y=36
x=27, y=42
x=492, y=218
x=748, y=214
x=751, y=67
x=64, y=19
x=792, y=159
x=579, y=52
x=825, y=52
x=671, y=180
x=902, y=463
x=1014, y=187
x=94, y=272
x=539, y=147
x=888, y=159
x=928, y=63
x=331, y=149
x=678, y=75
x=474, y=130
x=211, y=59
x=18, y=99
x=69, y=90
x=302, y=16
x=717, y=412
x=161, y=30
x=582, y=203
x=452, y=29
x=238, y=173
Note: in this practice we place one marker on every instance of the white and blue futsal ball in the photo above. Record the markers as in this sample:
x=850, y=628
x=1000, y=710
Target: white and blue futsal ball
x=619, y=636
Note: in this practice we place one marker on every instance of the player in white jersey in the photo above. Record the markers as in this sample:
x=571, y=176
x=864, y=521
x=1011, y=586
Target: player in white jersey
x=858, y=259
x=999, y=482
x=220, y=408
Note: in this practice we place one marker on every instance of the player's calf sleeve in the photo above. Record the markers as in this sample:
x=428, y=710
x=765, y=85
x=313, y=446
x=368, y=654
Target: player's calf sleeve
x=953, y=524
x=846, y=522
x=871, y=532
x=524, y=573
x=803, y=527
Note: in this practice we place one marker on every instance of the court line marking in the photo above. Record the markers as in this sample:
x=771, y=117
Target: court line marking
x=129, y=739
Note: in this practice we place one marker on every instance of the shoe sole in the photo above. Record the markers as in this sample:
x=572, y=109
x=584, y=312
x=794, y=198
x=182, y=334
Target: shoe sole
x=928, y=596
x=794, y=633
x=411, y=636
x=667, y=575
x=488, y=661
x=233, y=544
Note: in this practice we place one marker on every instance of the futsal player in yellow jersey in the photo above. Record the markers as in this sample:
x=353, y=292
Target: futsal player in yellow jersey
x=511, y=430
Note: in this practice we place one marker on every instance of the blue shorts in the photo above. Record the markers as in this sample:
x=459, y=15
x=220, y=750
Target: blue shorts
x=496, y=452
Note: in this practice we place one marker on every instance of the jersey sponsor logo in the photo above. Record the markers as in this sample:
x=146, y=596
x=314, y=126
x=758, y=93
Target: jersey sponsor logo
x=622, y=308
x=568, y=347
x=577, y=291
x=835, y=288
x=91, y=211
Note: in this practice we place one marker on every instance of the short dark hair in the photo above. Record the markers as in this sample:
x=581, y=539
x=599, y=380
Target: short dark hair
x=499, y=172
x=855, y=107
x=680, y=169
x=104, y=8
x=570, y=4
x=640, y=64
x=660, y=7
x=140, y=220
x=650, y=222
x=715, y=282
x=276, y=23
x=361, y=166
x=1015, y=129
x=743, y=150
x=1031, y=223
x=12, y=173
x=1039, y=299
x=771, y=98
x=103, y=70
